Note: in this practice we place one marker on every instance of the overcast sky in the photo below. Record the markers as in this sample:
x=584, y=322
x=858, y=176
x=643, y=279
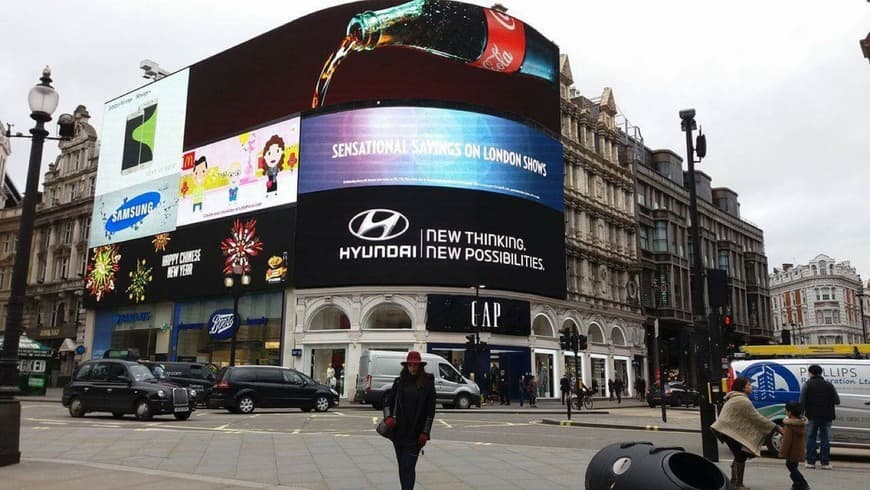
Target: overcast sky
x=780, y=86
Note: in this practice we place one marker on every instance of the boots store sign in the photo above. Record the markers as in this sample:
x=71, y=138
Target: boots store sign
x=477, y=314
x=429, y=236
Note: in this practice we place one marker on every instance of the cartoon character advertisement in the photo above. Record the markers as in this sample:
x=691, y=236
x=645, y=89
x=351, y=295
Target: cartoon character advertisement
x=247, y=172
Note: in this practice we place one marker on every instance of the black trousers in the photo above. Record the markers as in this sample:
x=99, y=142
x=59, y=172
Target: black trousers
x=406, y=456
x=736, y=448
x=797, y=479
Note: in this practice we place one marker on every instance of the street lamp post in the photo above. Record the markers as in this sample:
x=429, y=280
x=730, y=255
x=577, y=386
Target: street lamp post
x=43, y=100
x=699, y=313
x=236, y=283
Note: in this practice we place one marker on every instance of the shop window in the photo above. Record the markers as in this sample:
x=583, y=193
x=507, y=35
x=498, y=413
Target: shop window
x=542, y=326
x=330, y=318
x=388, y=316
x=596, y=335
x=617, y=336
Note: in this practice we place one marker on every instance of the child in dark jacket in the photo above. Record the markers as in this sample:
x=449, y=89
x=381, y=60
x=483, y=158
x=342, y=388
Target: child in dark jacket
x=794, y=444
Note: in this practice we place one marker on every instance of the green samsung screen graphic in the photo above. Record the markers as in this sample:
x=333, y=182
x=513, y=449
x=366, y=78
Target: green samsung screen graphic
x=139, y=137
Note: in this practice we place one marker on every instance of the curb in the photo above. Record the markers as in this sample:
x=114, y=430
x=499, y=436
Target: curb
x=38, y=400
x=655, y=428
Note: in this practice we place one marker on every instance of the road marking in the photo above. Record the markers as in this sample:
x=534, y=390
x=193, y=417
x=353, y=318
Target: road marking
x=652, y=427
x=254, y=416
x=374, y=420
x=222, y=427
x=39, y=428
x=483, y=444
x=445, y=424
x=340, y=413
x=56, y=423
x=200, y=414
x=107, y=426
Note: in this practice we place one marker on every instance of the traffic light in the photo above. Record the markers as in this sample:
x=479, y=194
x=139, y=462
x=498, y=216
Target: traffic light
x=469, y=344
x=565, y=340
x=727, y=321
x=582, y=343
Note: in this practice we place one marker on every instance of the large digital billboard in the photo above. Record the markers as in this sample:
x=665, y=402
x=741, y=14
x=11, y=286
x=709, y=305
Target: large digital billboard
x=430, y=146
x=192, y=261
x=246, y=172
x=429, y=235
x=136, y=211
x=363, y=52
x=142, y=134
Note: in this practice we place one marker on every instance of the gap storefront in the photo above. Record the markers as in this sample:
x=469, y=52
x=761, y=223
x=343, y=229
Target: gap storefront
x=258, y=341
x=503, y=324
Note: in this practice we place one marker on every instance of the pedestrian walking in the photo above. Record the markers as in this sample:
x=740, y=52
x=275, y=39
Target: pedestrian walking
x=485, y=384
x=618, y=386
x=794, y=444
x=818, y=398
x=533, y=392
x=642, y=389
x=610, y=388
x=523, y=388
x=742, y=428
x=413, y=396
x=594, y=386
x=503, y=387
x=565, y=387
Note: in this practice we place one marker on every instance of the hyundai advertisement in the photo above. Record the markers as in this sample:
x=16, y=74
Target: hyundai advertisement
x=143, y=133
x=427, y=235
x=427, y=146
x=134, y=212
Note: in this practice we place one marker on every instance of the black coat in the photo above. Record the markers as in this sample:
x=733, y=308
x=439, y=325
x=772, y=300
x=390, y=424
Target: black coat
x=818, y=398
x=421, y=421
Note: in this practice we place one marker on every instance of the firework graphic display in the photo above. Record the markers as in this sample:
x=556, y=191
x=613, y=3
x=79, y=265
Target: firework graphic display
x=191, y=262
x=242, y=244
x=160, y=242
x=139, y=280
x=105, y=262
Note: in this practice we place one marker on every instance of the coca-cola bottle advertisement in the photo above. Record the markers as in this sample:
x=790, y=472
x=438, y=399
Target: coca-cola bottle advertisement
x=431, y=51
x=480, y=37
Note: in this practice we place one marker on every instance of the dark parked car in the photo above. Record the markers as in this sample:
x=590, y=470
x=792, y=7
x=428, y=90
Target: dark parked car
x=677, y=393
x=195, y=376
x=240, y=389
x=123, y=387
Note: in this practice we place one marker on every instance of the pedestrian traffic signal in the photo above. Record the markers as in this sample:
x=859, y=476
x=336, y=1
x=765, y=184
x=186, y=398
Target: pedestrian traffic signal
x=565, y=340
x=582, y=342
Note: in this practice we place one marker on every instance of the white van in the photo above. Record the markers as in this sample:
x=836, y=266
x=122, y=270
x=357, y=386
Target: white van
x=379, y=368
x=777, y=381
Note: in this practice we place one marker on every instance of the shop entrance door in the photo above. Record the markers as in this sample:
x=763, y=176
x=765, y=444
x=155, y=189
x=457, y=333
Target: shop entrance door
x=327, y=367
x=544, y=369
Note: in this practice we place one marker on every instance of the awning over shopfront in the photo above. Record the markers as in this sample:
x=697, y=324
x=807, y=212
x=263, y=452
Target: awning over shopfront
x=28, y=347
x=68, y=345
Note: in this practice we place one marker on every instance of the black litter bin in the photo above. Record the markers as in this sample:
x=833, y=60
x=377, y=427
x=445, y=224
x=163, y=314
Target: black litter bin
x=643, y=466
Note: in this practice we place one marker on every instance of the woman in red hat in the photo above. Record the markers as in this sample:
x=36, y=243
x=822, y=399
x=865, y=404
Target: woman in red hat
x=409, y=410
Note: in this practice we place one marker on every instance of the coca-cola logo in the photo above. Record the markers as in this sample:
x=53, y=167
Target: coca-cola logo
x=505, y=20
x=221, y=324
x=498, y=60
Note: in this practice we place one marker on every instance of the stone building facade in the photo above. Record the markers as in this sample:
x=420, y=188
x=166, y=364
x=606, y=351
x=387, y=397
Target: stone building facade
x=53, y=313
x=728, y=242
x=818, y=302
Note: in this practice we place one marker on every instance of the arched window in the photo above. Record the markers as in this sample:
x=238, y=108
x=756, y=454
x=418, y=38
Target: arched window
x=329, y=318
x=617, y=336
x=570, y=327
x=596, y=335
x=388, y=316
x=542, y=326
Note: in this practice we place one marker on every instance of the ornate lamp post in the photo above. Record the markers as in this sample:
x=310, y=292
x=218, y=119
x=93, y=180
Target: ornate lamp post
x=43, y=100
x=236, y=283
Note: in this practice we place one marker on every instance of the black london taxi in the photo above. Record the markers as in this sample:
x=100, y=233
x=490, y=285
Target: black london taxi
x=124, y=387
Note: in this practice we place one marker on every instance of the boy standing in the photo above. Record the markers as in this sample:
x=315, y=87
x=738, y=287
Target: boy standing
x=794, y=447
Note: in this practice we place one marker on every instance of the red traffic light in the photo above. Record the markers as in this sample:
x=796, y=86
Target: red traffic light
x=727, y=320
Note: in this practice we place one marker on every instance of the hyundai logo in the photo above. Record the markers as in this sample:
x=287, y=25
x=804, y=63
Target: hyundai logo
x=377, y=225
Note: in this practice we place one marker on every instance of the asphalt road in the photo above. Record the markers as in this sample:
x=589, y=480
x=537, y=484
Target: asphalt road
x=523, y=429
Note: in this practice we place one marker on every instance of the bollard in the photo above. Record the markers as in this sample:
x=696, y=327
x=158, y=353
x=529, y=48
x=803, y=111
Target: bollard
x=643, y=466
